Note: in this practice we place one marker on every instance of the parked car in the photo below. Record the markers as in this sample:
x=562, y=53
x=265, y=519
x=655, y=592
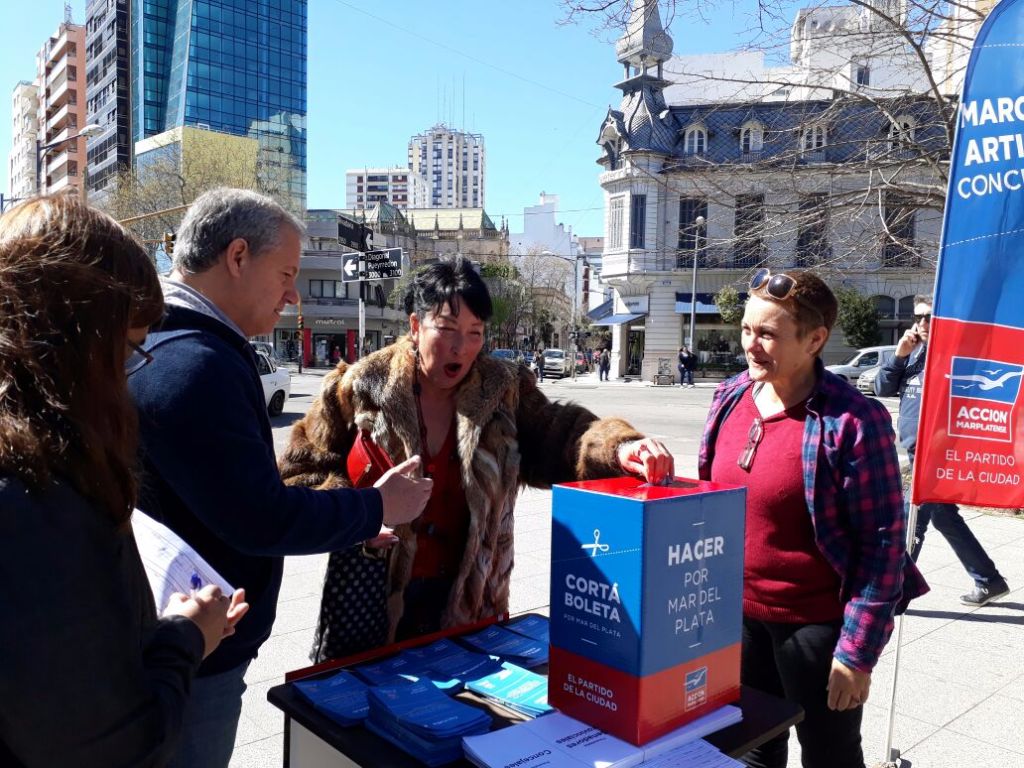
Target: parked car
x=555, y=363
x=861, y=360
x=277, y=383
x=504, y=354
x=268, y=348
x=866, y=381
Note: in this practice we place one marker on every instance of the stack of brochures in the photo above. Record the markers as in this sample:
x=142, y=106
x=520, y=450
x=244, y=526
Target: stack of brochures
x=422, y=721
x=537, y=627
x=448, y=664
x=509, y=646
x=342, y=697
x=516, y=688
x=566, y=742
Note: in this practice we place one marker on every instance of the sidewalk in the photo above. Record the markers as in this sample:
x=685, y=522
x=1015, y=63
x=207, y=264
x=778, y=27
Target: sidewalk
x=961, y=685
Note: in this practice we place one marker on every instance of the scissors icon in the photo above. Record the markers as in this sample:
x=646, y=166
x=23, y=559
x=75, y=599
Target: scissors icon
x=597, y=546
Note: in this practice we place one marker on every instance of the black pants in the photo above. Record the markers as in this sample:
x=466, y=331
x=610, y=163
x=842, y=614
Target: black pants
x=793, y=661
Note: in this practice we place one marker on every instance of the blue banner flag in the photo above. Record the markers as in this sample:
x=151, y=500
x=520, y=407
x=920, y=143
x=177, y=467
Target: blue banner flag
x=970, y=447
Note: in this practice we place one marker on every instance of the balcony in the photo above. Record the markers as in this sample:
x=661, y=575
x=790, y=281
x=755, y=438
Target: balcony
x=57, y=120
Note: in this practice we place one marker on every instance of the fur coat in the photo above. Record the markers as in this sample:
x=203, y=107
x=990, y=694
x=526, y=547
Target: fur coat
x=508, y=434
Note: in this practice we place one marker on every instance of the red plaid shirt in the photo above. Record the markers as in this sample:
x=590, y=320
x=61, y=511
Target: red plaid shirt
x=854, y=495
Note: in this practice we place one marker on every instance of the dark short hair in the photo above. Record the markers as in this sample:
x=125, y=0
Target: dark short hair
x=812, y=302
x=451, y=281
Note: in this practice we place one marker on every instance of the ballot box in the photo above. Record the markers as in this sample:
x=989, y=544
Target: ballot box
x=646, y=611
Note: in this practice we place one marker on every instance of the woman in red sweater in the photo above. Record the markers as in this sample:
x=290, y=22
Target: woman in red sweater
x=825, y=529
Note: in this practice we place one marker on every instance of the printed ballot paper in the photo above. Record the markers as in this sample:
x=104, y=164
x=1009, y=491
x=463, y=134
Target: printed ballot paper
x=171, y=564
x=559, y=740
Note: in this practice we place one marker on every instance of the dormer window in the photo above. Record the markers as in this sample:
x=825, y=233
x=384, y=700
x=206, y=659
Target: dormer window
x=751, y=137
x=695, y=140
x=863, y=75
x=812, y=139
x=901, y=132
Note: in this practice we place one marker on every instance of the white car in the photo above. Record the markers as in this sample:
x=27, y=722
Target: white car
x=861, y=360
x=277, y=383
x=866, y=381
x=555, y=363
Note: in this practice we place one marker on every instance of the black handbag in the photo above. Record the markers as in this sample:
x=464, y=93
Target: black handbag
x=353, y=606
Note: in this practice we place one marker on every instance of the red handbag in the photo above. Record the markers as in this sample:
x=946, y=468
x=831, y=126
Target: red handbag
x=367, y=461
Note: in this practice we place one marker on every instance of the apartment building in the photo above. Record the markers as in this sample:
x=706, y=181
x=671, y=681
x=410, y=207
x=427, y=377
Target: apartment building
x=60, y=83
x=397, y=186
x=453, y=163
x=21, y=168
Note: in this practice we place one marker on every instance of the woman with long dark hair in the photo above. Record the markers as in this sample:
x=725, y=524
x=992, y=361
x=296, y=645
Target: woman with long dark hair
x=89, y=676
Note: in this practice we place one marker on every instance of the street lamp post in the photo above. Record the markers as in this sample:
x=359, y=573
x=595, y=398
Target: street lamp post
x=698, y=223
x=41, y=149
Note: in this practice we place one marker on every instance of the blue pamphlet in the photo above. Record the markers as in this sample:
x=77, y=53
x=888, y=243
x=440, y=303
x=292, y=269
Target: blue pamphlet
x=342, y=697
x=516, y=688
x=510, y=646
x=537, y=627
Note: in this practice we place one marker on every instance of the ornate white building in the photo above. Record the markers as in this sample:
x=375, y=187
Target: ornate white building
x=700, y=194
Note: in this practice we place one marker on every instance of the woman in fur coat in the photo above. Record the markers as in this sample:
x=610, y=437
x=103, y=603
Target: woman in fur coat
x=482, y=429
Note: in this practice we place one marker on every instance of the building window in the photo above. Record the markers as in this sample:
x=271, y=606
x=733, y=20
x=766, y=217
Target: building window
x=901, y=133
x=692, y=234
x=899, y=236
x=863, y=75
x=751, y=137
x=813, y=138
x=885, y=306
x=615, y=213
x=695, y=140
x=748, y=231
x=637, y=220
x=812, y=230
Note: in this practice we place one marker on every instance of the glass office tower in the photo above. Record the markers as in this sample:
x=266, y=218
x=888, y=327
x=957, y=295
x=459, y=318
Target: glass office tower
x=234, y=66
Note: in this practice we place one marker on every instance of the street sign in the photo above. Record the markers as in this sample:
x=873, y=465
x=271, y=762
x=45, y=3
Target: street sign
x=351, y=268
x=382, y=265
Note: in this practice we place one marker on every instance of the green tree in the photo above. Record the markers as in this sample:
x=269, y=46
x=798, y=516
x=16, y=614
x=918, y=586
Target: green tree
x=729, y=305
x=857, y=318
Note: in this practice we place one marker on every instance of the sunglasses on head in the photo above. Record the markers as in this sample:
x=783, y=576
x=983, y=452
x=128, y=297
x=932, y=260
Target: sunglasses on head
x=779, y=287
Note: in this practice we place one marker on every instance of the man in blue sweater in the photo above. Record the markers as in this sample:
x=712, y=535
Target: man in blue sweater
x=904, y=375
x=210, y=473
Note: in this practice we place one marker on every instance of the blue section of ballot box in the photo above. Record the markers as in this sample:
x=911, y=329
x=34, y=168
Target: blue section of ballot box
x=644, y=578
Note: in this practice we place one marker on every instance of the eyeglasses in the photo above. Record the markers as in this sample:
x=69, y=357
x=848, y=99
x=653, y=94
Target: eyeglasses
x=139, y=358
x=779, y=287
x=923, y=318
x=746, y=459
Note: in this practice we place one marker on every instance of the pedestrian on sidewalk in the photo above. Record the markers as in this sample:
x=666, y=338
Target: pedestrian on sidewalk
x=604, y=365
x=904, y=375
x=825, y=561
x=687, y=365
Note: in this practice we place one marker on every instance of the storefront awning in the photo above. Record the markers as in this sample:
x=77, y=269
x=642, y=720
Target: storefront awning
x=683, y=308
x=602, y=311
x=705, y=303
x=618, y=319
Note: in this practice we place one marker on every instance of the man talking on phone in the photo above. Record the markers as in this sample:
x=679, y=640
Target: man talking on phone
x=904, y=374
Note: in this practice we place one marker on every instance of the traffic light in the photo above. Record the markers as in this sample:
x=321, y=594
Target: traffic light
x=169, y=244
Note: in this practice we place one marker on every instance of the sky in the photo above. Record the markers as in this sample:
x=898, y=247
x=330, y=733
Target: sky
x=380, y=73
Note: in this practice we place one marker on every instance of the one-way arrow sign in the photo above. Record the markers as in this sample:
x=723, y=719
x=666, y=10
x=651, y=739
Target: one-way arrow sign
x=350, y=268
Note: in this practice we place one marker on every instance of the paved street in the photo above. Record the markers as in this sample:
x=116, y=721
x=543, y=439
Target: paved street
x=961, y=674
